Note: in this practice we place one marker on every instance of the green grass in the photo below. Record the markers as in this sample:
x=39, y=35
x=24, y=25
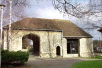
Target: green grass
x=88, y=64
x=98, y=57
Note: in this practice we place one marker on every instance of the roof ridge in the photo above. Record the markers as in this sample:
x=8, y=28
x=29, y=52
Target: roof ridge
x=47, y=19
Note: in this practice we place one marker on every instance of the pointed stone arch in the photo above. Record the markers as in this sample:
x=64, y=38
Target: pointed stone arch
x=36, y=43
x=58, y=51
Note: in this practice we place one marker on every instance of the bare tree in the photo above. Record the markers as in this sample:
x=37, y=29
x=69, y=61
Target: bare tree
x=18, y=7
x=11, y=15
x=75, y=8
x=90, y=13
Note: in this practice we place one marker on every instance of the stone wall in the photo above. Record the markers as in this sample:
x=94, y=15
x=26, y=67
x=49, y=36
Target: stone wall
x=65, y=55
x=86, y=47
x=49, y=40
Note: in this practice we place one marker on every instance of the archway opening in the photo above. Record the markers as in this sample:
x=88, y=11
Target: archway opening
x=58, y=51
x=72, y=46
x=32, y=43
x=27, y=43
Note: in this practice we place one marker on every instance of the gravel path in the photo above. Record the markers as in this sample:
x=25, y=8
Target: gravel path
x=51, y=62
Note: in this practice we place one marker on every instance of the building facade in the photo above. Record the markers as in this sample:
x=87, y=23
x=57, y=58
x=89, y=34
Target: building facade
x=50, y=37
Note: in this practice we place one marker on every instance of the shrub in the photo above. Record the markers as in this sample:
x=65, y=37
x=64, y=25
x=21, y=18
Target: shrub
x=11, y=56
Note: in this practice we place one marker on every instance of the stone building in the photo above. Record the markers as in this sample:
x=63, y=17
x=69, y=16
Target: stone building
x=51, y=38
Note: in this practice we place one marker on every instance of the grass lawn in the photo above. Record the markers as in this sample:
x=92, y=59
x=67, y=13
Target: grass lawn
x=89, y=64
x=97, y=57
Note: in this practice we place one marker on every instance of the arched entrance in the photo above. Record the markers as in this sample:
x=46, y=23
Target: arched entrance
x=35, y=43
x=58, y=51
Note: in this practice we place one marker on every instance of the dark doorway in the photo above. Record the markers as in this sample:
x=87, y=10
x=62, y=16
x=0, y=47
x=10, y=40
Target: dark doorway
x=72, y=46
x=68, y=47
x=36, y=43
x=58, y=51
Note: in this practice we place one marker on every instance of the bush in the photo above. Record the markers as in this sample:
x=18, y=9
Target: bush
x=11, y=56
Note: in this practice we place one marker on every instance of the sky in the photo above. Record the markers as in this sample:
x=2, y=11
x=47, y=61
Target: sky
x=45, y=9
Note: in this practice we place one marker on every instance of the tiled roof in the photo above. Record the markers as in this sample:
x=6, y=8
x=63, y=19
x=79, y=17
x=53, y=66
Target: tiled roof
x=69, y=29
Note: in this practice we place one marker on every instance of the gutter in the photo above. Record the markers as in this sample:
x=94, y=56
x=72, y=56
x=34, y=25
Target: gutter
x=77, y=37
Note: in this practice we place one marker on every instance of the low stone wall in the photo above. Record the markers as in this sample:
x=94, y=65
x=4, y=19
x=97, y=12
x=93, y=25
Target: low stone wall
x=71, y=55
x=98, y=54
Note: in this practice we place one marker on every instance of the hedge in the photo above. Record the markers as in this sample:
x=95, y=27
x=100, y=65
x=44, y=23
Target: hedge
x=11, y=56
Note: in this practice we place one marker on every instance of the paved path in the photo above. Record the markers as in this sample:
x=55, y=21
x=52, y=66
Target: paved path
x=51, y=62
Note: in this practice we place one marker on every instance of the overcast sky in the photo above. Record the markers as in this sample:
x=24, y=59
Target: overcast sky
x=45, y=9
